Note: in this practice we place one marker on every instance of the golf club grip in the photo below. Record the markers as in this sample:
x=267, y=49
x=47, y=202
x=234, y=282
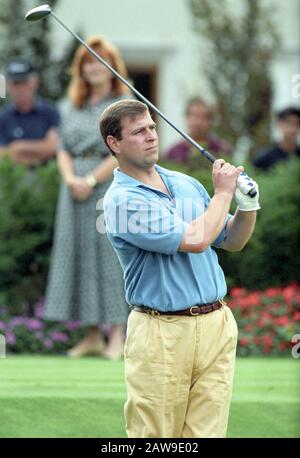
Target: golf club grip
x=252, y=193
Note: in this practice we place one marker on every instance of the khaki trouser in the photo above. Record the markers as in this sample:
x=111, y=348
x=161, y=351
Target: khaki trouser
x=179, y=374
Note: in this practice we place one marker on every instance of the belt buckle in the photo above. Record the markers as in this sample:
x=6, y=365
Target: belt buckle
x=191, y=310
x=153, y=312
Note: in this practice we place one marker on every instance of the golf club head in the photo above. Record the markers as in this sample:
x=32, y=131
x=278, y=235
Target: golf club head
x=38, y=13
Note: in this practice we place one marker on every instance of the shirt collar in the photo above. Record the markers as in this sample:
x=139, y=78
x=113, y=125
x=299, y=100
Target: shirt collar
x=34, y=108
x=126, y=180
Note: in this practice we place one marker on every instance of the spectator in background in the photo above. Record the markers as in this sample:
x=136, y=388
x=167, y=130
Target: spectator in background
x=288, y=124
x=86, y=280
x=199, y=119
x=28, y=125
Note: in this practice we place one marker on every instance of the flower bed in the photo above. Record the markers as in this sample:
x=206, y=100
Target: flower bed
x=267, y=320
x=26, y=334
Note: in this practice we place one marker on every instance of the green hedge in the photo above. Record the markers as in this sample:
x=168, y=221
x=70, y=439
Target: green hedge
x=271, y=258
x=27, y=212
x=27, y=208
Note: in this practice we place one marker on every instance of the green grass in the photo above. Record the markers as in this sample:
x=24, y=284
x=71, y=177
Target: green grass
x=60, y=397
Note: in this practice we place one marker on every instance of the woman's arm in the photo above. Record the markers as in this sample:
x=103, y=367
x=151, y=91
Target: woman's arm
x=103, y=172
x=65, y=166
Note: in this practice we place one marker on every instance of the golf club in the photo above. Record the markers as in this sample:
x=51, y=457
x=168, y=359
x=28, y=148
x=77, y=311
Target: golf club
x=42, y=11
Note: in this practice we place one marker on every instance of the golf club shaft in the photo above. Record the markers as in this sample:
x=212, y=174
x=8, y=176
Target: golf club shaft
x=205, y=153
x=43, y=10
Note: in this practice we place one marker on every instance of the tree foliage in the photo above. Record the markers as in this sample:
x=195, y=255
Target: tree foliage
x=240, y=48
x=32, y=40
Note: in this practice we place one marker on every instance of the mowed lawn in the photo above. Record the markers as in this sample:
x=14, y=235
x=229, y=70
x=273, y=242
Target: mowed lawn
x=60, y=397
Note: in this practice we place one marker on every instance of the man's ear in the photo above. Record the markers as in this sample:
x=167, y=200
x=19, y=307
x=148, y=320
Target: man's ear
x=113, y=143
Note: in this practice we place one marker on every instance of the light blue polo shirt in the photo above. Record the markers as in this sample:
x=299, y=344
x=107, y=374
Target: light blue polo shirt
x=145, y=227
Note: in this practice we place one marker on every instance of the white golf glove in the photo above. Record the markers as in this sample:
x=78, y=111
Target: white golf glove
x=244, y=201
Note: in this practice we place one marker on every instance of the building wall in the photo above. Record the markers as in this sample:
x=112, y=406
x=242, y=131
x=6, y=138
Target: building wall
x=159, y=32
x=287, y=60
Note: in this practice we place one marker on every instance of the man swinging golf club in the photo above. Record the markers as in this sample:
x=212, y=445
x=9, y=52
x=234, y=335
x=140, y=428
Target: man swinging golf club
x=181, y=336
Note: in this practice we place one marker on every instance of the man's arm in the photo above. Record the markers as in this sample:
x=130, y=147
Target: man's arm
x=30, y=152
x=241, y=226
x=239, y=230
x=202, y=232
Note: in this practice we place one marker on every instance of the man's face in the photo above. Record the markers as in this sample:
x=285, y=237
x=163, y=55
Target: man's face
x=289, y=127
x=23, y=91
x=139, y=144
x=198, y=120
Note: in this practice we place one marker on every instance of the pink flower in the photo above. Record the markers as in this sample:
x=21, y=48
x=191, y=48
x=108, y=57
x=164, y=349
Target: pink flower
x=289, y=293
x=276, y=305
x=265, y=319
x=268, y=343
x=266, y=315
x=257, y=340
x=254, y=298
x=272, y=292
x=73, y=325
x=296, y=316
x=39, y=334
x=267, y=339
x=244, y=302
x=10, y=338
x=244, y=341
x=33, y=324
x=59, y=336
x=39, y=309
x=16, y=321
x=281, y=320
x=284, y=346
x=48, y=343
x=237, y=292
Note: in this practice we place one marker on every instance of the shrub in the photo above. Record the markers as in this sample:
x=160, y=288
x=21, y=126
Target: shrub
x=271, y=257
x=27, y=207
x=27, y=211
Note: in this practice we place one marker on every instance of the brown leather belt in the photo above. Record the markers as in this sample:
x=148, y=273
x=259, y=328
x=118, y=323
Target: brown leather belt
x=195, y=310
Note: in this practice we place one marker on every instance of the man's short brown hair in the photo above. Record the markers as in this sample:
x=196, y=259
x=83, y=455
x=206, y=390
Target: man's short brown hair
x=112, y=116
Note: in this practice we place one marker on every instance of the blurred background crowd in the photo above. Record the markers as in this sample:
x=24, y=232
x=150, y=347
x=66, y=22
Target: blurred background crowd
x=226, y=71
